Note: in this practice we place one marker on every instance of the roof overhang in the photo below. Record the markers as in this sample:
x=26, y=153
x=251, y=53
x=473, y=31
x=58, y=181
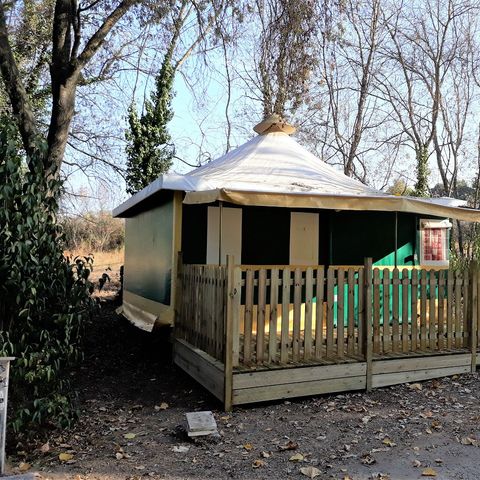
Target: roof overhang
x=335, y=202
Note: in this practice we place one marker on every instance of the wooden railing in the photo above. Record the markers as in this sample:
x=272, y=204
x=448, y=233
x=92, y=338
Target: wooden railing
x=264, y=315
x=201, y=307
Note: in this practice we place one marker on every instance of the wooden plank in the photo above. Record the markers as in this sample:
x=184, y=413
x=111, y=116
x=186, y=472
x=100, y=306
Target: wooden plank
x=405, y=305
x=176, y=244
x=441, y=310
x=340, y=312
x=319, y=314
x=466, y=306
x=387, y=333
x=423, y=309
x=297, y=314
x=330, y=306
x=368, y=322
x=473, y=314
x=420, y=362
x=272, y=329
x=376, y=311
x=361, y=313
x=351, y=312
x=262, y=298
x=450, y=303
x=477, y=273
x=210, y=311
x=277, y=392
x=248, y=322
x=286, y=376
x=432, y=317
x=200, y=366
x=458, y=310
x=395, y=313
x=236, y=305
x=284, y=334
x=307, y=348
x=413, y=309
x=228, y=355
x=383, y=380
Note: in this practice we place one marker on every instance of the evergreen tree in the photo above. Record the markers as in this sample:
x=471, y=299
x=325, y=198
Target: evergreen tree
x=149, y=147
x=421, y=186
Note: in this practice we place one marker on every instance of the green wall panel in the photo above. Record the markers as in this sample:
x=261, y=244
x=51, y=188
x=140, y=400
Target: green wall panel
x=356, y=235
x=148, y=253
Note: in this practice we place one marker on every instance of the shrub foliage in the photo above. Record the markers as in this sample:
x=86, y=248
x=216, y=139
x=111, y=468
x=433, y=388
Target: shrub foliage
x=44, y=297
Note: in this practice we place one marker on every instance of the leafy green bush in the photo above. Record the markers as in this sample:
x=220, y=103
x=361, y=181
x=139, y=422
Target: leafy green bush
x=44, y=298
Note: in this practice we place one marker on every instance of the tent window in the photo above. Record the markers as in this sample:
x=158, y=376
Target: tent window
x=434, y=242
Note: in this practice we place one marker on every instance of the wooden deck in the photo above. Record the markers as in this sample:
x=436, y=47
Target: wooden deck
x=253, y=334
x=275, y=382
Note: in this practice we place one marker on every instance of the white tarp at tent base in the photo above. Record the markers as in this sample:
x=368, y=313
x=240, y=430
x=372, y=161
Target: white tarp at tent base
x=275, y=170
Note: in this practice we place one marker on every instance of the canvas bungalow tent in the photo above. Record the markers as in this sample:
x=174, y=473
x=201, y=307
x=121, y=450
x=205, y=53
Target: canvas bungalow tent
x=270, y=202
x=262, y=261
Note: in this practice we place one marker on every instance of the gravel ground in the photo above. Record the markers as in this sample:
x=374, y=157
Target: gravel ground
x=133, y=404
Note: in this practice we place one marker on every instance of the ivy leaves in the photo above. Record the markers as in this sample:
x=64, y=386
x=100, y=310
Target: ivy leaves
x=44, y=298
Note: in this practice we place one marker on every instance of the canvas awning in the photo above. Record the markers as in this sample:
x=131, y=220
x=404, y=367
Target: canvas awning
x=274, y=170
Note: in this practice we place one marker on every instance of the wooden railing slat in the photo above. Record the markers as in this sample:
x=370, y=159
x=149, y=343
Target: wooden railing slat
x=395, y=311
x=307, y=347
x=387, y=334
x=272, y=330
x=340, y=312
x=330, y=311
x=284, y=334
x=351, y=312
x=319, y=313
x=297, y=314
x=423, y=310
x=405, y=305
x=376, y=310
x=441, y=310
x=413, y=308
x=262, y=294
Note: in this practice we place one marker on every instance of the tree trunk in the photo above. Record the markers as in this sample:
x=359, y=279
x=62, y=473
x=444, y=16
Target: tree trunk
x=63, y=109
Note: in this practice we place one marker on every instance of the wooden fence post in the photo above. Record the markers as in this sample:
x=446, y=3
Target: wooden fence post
x=367, y=318
x=474, y=314
x=178, y=288
x=229, y=319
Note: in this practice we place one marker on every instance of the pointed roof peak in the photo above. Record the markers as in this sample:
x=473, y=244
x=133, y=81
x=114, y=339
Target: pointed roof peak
x=274, y=123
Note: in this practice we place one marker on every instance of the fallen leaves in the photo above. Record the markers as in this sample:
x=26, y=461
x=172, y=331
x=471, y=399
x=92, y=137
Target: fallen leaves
x=290, y=445
x=415, y=386
x=65, y=457
x=162, y=406
x=386, y=441
x=24, y=467
x=248, y=446
x=129, y=436
x=258, y=463
x=469, y=441
x=298, y=457
x=45, y=448
x=310, y=472
x=367, y=459
x=429, y=472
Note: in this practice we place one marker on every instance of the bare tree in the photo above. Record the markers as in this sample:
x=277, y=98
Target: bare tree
x=345, y=108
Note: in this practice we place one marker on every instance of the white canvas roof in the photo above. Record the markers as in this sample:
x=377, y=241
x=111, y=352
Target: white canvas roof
x=275, y=170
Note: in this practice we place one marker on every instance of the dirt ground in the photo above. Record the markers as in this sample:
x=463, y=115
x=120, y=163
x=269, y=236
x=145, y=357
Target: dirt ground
x=133, y=404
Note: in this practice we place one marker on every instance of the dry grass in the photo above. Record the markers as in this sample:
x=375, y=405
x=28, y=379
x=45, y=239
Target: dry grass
x=104, y=262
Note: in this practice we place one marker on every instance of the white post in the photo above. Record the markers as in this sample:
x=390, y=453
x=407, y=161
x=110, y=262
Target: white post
x=4, y=370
